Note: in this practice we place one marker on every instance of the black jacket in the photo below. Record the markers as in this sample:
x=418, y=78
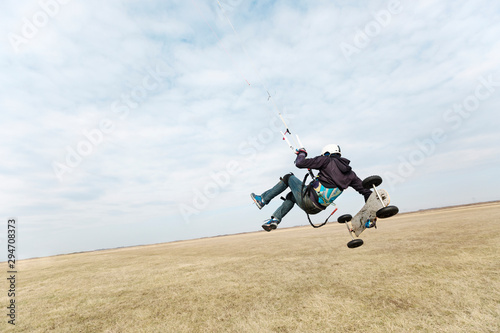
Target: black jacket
x=334, y=171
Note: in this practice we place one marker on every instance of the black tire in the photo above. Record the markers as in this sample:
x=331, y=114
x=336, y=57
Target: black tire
x=344, y=218
x=368, y=182
x=387, y=212
x=355, y=243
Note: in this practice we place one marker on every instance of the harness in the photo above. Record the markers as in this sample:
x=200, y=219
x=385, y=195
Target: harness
x=326, y=196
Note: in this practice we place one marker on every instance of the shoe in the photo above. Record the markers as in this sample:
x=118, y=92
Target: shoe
x=371, y=224
x=270, y=224
x=258, y=200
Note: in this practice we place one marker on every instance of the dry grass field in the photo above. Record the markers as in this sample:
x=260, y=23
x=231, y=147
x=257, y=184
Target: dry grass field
x=430, y=271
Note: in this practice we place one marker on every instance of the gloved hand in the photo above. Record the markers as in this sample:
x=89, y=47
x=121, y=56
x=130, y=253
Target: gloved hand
x=301, y=150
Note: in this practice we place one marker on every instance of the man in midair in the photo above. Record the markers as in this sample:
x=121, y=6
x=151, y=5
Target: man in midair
x=335, y=175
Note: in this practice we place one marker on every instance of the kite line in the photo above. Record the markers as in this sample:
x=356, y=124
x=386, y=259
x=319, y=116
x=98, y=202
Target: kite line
x=297, y=142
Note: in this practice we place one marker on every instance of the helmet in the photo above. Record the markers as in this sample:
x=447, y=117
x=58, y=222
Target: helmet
x=330, y=149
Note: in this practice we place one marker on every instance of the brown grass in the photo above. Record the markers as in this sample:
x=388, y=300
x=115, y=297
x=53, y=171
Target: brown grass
x=431, y=271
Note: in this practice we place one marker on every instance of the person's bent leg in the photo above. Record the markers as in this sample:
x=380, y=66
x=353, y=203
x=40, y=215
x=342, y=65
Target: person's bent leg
x=285, y=207
x=282, y=185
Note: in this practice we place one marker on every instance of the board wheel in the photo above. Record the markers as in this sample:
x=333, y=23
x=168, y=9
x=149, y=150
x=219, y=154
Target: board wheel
x=344, y=218
x=355, y=243
x=368, y=182
x=387, y=212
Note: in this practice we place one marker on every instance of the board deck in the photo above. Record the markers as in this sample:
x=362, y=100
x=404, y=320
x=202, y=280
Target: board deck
x=369, y=211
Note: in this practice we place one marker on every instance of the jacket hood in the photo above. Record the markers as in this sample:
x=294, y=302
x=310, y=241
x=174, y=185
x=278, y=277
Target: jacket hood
x=342, y=164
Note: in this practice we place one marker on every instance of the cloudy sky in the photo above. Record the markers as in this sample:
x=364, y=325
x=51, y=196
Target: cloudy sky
x=131, y=122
